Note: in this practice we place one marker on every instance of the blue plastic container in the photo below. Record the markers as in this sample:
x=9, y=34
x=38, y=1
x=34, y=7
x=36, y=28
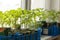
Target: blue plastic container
x=27, y=37
x=53, y=30
x=2, y=38
x=32, y=36
x=39, y=34
x=22, y=37
x=5, y=37
x=19, y=36
x=36, y=35
x=59, y=30
x=50, y=30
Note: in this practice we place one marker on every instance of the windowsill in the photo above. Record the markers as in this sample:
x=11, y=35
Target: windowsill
x=45, y=37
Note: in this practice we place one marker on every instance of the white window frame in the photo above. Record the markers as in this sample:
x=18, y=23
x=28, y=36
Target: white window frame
x=26, y=4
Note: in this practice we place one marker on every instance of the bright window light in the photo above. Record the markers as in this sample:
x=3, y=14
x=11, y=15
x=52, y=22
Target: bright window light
x=9, y=4
x=37, y=4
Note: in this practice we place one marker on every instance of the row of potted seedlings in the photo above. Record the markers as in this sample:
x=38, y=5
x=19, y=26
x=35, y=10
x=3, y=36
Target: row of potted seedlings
x=22, y=20
x=18, y=19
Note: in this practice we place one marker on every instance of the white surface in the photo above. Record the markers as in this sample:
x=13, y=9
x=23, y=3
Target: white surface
x=45, y=37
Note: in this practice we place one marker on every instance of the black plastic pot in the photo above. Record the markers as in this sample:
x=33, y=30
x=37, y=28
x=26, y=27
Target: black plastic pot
x=53, y=29
x=44, y=28
x=6, y=31
x=58, y=24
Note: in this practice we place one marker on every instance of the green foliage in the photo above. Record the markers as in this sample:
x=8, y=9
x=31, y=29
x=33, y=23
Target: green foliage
x=27, y=17
x=52, y=15
x=2, y=18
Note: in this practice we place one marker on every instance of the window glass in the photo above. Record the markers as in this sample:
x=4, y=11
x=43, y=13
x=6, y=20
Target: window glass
x=37, y=4
x=9, y=4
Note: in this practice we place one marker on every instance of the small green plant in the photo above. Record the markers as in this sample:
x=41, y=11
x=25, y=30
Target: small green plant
x=2, y=18
x=58, y=16
x=51, y=15
x=37, y=13
x=8, y=19
x=1, y=24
